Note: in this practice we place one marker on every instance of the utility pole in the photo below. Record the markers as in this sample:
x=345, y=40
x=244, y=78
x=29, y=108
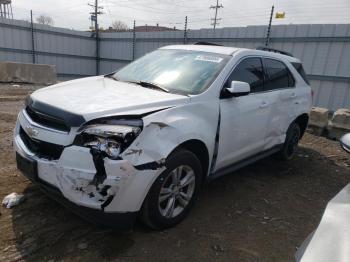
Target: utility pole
x=94, y=17
x=185, y=31
x=269, y=28
x=216, y=19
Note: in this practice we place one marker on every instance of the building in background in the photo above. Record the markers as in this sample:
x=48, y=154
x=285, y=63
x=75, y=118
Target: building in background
x=6, y=9
x=143, y=28
x=152, y=28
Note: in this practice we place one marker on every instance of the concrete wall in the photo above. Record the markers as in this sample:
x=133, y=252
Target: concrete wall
x=323, y=49
x=11, y=72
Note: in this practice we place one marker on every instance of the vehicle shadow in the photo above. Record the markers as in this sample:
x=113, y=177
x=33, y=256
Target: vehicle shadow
x=287, y=197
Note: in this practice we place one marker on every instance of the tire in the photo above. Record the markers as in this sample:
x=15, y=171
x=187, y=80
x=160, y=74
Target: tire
x=291, y=143
x=157, y=211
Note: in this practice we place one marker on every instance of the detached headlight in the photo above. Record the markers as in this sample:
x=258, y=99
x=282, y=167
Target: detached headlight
x=109, y=139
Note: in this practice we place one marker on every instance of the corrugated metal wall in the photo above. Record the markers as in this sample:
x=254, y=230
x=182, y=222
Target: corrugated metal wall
x=72, y=52
x=323, y=49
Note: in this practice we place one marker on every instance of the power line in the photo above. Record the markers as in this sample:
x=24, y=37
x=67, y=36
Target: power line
x=165, y=13
x=152, y=9
x=216, y=19
x=110, y=15
x=164, y=4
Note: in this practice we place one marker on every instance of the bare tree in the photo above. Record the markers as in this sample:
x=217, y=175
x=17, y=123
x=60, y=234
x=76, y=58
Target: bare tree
x=120, y=26
x=45, y=20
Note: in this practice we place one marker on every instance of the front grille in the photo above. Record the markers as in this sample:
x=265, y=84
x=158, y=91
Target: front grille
x=47, y=120
x=40, y=148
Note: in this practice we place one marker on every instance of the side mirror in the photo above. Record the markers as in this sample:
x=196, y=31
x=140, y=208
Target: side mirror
x=345, y=142
x=237, y=88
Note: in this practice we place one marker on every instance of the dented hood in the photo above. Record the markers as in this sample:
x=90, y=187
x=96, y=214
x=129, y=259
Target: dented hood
x=102, y=96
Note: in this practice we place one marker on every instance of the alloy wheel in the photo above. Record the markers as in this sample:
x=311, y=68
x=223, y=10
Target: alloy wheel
x=176, y=191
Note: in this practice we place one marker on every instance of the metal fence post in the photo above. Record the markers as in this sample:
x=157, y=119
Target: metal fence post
x=269, y=28
x=185, y=32
x=97, y=51
x=33, y=40
x=133, y=41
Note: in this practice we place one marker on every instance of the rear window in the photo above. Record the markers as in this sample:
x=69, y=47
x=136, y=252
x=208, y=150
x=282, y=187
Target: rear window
x=300, y=69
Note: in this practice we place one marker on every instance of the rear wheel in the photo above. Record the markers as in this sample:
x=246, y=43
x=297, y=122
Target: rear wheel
x=291, y=143
x=174, y=192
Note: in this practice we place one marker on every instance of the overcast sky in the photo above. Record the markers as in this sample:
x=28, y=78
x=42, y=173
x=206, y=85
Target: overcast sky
x=75, y=14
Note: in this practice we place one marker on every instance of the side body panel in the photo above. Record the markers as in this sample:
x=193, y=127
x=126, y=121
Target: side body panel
x=242, y=127
x=289, y=104
x=258, y=122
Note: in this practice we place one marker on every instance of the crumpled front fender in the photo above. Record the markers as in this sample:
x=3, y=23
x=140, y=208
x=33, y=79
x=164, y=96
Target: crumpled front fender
x=166, y=130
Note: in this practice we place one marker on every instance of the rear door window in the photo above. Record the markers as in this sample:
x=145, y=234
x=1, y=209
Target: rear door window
x=278, y=75
x=250, y=70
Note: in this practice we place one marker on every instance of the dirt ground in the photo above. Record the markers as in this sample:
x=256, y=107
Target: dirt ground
x=260, y=213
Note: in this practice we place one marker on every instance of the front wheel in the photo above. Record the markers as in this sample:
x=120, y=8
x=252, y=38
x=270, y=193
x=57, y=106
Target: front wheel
x=291, y=143
x=174, y=192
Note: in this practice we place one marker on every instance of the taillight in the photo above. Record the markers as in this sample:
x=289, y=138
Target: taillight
x=312, y=95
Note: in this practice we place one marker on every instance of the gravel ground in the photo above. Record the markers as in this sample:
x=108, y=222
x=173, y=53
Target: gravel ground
x=260, y=213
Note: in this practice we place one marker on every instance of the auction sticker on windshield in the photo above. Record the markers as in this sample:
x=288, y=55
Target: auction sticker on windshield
x=209, y=58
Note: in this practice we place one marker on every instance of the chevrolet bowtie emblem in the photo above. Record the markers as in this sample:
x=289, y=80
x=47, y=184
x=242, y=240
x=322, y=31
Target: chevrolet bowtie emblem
x=32, y=132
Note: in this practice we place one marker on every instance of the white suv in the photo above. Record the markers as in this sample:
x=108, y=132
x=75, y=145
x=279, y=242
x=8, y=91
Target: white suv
x=141, y=141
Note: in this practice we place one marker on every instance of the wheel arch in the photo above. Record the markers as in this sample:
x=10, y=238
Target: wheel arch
x=302, y=120
x=198, y=148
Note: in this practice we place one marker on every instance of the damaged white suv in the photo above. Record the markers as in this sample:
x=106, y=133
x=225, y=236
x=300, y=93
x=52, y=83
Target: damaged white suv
x=140, y=142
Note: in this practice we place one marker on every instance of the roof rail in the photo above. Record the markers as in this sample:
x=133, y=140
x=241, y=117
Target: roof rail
x=269, y=49
x=206, y=43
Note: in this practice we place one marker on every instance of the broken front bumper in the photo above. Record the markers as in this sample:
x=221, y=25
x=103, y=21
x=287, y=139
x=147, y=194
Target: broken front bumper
x=116, y=220
x=74, y=181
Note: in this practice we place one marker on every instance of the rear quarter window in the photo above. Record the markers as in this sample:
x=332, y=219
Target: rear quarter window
x=300, y=69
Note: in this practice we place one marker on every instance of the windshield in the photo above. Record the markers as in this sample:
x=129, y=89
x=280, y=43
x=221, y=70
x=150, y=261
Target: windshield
x=179, y=71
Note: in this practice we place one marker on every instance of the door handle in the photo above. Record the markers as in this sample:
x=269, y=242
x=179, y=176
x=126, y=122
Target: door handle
x=293, y=95
x=264, y=105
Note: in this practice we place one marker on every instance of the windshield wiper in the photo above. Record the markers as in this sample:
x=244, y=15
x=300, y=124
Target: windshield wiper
x=150, y=85
x=141, y=83
x=113, y=77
